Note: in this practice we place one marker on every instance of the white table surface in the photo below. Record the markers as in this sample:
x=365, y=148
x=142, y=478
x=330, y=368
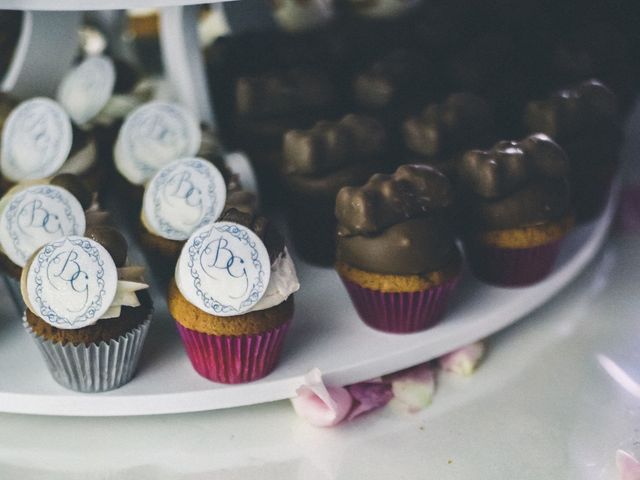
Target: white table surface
x=540, y=407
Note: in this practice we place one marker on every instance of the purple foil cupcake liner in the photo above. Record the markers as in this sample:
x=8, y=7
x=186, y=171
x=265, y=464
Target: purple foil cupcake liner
x=234, y=359
x=95, y=367
x=512, y=267
x=401, y=312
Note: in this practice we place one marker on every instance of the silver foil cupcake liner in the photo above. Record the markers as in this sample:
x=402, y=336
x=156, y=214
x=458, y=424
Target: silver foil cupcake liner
x=93, y=368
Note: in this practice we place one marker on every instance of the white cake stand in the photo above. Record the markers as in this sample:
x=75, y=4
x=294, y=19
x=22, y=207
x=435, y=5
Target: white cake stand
x=326, y=333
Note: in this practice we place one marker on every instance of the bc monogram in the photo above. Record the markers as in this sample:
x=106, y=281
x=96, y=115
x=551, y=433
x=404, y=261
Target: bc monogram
x=72, y=282
x=217, y=258
x=182, y=196
x=34, y=215
x=180, y=187
x=65, y=274
x=223, y=269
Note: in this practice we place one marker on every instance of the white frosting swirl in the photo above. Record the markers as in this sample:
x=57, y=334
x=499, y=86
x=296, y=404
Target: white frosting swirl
x=282, y=283
x=125, y=297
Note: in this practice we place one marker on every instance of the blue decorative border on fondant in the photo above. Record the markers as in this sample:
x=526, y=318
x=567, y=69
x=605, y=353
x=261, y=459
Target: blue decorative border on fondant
x=257, y=288
x=41, y=261
x=12, y=212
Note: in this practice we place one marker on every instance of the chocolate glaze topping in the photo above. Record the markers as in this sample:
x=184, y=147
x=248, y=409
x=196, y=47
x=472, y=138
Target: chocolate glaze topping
x=112, y=240
x=261, y=226
x=74, y=185
x=396, y=224
x=589, y=108
x=413, y=247
x=413, y=191
x=515, y=184
x=329, y=145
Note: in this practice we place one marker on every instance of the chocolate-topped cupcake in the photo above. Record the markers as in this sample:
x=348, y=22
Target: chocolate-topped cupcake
x=87, y=310
x=232, y=297
x=596, y=48
x=317, y=163
x=34, y=214
x=396, y=250
x=517, y=209
x=443, y=131
x=584, y=121
x=183, y=196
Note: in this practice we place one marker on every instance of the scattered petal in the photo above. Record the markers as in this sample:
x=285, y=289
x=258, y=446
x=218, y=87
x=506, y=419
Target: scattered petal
x=463, y=361
x=321, y=406
x=628, y=466
x=368, y=396
x=413, y=388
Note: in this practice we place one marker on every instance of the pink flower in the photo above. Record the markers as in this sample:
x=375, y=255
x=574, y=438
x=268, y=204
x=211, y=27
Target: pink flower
x=628, y=466
x=413, y=388
x=463, y=361
x=320, y=405
x=368, y=396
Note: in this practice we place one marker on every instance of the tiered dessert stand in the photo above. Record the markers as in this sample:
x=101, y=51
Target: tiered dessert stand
x=326, y=332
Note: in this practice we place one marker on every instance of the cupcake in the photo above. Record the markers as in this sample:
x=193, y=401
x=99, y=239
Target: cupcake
x=317, y=163
x=269, y=104
x=396, y=251
x=517, y=209
x=34, y=214
x=38, y=142
x=87, y=311
x=180, y=198
x=584, y=121
x=232, y=297
x=442, y=132
x=98, y=93
x=268, y=82
x=152, y=136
